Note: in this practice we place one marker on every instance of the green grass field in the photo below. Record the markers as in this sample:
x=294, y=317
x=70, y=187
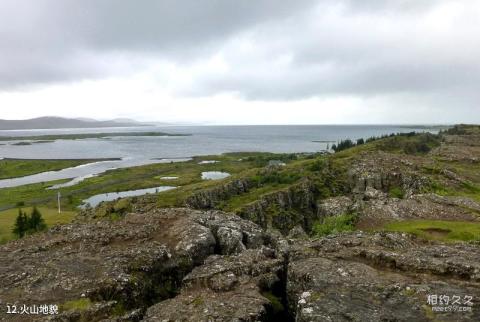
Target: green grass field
x=51, y=217
x=449, y=231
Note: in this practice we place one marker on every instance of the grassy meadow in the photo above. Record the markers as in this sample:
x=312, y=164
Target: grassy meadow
x=51, y=217
x=449, y=231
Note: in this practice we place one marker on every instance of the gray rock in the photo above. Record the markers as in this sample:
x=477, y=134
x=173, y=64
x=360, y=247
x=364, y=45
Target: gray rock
x=245, y=304
x=422, y=206
x=372, y=193
x=297, y=232
x=334, y=206
x=225, y=288
x=379, y=277
x=230, y=241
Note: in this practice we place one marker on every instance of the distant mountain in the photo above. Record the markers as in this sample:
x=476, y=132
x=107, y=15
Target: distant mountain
x=52, y=122
x=117, y=120
x=125, y=120
x=86, y=119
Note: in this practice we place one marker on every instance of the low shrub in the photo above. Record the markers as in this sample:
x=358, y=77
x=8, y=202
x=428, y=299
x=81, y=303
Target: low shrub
x=334, y=224
x=318, y=165
x=396, y=192
x=275, y=177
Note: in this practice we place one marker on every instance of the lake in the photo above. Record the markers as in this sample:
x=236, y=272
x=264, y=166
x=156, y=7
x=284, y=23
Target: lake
x=204, y=140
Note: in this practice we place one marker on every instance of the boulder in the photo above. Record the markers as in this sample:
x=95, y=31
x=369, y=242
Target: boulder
x=380, y=277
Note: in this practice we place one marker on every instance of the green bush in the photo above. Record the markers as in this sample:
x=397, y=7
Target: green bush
x=334, y=224
x=396, y=192
x=275, y=177
x=331, y=181
x=262, y=160
x=318, y=165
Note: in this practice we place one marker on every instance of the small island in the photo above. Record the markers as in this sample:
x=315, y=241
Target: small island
x=53, y=137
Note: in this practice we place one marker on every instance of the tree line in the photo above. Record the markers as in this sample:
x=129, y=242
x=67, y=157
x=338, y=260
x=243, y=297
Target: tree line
x=409, y=142
x=347, y=144
x=28, y=224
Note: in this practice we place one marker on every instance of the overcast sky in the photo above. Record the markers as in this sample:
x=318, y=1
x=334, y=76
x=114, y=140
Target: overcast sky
x=242, y=62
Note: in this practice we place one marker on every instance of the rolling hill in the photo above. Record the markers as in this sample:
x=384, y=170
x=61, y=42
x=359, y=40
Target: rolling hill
x=51, y=122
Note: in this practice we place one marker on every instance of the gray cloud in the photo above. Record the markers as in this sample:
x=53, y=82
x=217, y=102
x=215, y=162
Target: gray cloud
x=390, y=5
x=296, y=49
x=51, y=40
x=337, y=51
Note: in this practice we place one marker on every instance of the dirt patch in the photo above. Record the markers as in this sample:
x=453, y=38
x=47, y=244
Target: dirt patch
x=436, y=232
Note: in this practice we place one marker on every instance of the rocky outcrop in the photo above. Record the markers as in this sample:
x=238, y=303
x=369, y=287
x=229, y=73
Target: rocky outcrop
x=380, y=277
x=226, y=288
x=334, y=206
x=463, y=148
x=123, y=266
x=421, y=206
x=384, y=171
x=209, y=198
x=376, y=208
x=190, y=265
x=245, y=304
x=284, y=209
x=349, y=277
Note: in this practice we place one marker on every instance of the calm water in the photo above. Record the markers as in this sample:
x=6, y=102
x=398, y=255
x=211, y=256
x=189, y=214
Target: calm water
x=205, y=140
x=214, y=175
x=81, y=172
x=97, y=199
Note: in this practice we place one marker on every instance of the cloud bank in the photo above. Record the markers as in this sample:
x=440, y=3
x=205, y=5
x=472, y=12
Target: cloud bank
x=382, y=57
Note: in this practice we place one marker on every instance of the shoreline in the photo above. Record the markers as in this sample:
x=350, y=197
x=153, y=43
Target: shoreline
x=54, y=137
x=86, y=160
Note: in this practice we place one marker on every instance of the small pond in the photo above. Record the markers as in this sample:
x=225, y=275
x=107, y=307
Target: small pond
x=214, y=175
x=208, y=162
x=95, y=200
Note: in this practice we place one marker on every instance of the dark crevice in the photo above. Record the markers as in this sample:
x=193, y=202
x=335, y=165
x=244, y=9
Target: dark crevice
x=277, y=295
x=145, y=288
x=161, y=282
